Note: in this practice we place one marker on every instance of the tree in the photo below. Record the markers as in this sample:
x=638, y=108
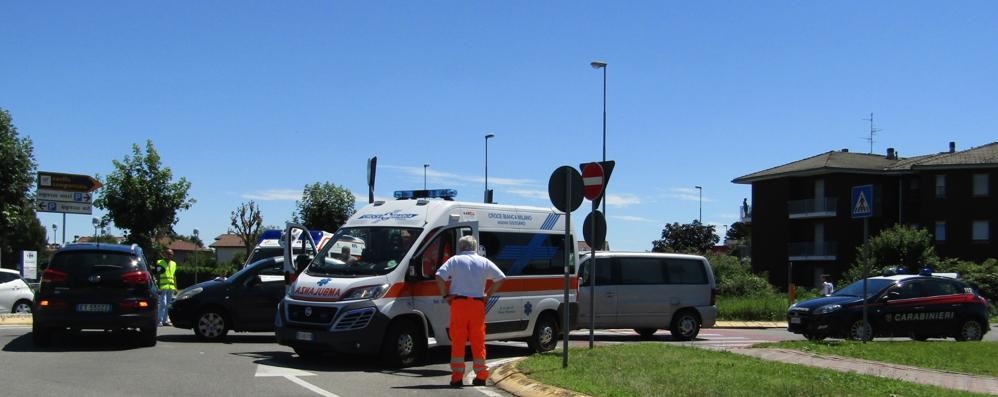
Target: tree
x=246, y=222
x=19, y=226
x=901, y=246
x=691, y=237
x=740, y=238
x=325, y=206
x=140, y=196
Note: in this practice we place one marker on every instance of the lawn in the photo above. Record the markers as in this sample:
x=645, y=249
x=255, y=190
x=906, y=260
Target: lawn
x=762, y=307
x=650, y=369
x=980, y=358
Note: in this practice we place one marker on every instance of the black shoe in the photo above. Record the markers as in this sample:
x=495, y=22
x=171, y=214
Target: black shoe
x=456, y=383
x=478, y=382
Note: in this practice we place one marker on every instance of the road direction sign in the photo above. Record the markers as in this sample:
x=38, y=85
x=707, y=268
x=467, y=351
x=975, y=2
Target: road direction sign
x=63, y=195
x=592, y=180
x=597, y=240
x=63, y=206
x=862, y=201
x=71, y=182
x=564, y=180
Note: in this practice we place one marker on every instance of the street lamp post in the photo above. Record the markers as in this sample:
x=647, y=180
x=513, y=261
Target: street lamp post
x=96, y=223
x=700, y=202
x=425, y=166
x=602, y=65
x=488, y=198
x=195, y=256
x=55, y=239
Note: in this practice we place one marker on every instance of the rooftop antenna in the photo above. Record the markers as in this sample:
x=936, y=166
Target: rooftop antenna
x=873, y=131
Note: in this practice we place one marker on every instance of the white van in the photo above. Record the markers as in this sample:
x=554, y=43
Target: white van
x=648, y=291
x=384, y=300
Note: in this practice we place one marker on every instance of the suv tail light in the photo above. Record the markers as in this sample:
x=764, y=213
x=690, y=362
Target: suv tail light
x=713, y=296
x=135, y=278
x=52, y=276
x=134, y=304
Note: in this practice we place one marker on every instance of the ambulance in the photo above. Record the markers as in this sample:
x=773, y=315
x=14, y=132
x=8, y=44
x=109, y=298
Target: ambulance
x=385, y=302
x=269, y=244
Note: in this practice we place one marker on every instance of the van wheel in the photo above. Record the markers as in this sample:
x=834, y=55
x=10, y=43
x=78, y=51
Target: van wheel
x=859, y=330
x=646, y=333
x=545, y=337
x=404, y=345
x=22, y=306
x=41, y=336
x=211, y=325
x=970, y=330
x=685, y=326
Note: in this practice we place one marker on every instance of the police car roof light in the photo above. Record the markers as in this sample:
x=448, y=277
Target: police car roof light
x=270, y=234
x=446, y=194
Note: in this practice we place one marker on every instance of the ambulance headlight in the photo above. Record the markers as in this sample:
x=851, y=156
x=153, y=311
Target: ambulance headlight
x=827, y=309
x=368, y=292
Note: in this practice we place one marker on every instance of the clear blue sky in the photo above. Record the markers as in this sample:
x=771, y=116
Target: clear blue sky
x=253, y=100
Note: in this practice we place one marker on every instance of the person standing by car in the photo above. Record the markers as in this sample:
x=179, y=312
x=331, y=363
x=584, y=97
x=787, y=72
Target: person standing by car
x=468, y=273
x=167, y=285
x=827, y=288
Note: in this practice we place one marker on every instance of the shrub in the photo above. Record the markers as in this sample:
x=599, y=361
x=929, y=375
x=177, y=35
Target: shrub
x=734, y=277
x=982, y=276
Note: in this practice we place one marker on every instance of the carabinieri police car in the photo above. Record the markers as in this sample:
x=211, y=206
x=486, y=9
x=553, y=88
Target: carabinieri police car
x=914, y=306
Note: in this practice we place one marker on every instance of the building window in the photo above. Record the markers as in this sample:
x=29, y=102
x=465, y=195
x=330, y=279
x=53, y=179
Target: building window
x=940, y=231
x=981, y=185
x=940, y=186
x=981, y=231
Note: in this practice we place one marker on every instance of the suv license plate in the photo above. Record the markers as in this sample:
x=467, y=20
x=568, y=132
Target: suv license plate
x=794, y=320
x=93, y=307
x=305, y=336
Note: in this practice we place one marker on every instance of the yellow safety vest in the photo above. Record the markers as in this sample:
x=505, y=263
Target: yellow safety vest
x=166, y=279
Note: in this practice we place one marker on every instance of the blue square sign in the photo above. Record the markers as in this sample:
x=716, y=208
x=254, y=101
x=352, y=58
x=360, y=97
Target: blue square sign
x=862, y=201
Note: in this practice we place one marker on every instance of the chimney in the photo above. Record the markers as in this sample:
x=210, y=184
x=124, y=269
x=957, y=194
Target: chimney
x=890, y=154
x=952, y=146
x=845, y=150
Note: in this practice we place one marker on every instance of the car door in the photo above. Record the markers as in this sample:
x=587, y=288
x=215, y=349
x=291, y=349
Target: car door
x=943, y=301
x=605, y=291
x=255, y=297
x=640, y=303
x=905, y=303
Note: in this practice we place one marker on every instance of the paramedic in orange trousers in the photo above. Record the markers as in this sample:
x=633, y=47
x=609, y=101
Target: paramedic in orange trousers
x=468, y=272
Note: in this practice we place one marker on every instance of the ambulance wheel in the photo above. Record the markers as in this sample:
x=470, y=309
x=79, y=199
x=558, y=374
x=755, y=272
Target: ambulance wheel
x=404, y=345
x=860, y=330
x=646, y=333
x=685, y=325
x=970, y=330
x=545, y=336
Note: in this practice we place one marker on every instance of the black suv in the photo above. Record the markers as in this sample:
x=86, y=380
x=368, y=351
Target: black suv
x=96, y=286
x=919, y=307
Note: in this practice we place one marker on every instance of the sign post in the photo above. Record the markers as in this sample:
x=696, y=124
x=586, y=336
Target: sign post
x=862, y=207
x=592, y=179
x=565, y=192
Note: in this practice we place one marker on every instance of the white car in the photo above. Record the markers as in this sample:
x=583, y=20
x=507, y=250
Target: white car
x=15, y=295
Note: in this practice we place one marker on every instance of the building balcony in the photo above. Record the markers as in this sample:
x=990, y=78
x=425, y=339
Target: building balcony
x=812, y=251
x=812, y=208
x=745, y=212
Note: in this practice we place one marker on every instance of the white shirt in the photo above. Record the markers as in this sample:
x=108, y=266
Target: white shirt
x=467, y=272
x=827, y=288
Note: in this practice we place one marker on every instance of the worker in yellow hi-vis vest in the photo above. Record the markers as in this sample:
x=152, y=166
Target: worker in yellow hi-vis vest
x=167, y=268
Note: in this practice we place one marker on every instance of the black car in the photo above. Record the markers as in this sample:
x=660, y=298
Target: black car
x=96, y=286
x=919, y=307
x=245, y=301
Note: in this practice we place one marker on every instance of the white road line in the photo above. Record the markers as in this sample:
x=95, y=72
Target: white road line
x=310, y=386
x=264, y=370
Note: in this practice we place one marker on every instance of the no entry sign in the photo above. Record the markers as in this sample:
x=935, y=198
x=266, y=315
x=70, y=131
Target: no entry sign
x=592, y=180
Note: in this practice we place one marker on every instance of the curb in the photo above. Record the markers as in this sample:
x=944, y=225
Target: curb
x=750, y=324
x=15, y=319
x=511, y=380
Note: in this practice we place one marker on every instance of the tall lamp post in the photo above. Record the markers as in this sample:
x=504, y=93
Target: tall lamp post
x=425, y=166
x=488, y=197
x=55, y=238
x=195, y=256
x=602, y=65
x=96, y=223
x=700, y=202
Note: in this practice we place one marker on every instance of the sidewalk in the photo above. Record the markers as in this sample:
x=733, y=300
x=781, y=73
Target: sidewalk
x=15, y=319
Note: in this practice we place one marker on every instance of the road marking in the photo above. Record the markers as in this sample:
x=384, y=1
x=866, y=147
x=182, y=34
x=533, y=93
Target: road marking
x=264, y=370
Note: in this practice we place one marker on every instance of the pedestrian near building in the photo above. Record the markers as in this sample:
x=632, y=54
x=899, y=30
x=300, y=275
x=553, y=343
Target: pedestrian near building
x=468, y=272
x=167, y=285
x=826, y=285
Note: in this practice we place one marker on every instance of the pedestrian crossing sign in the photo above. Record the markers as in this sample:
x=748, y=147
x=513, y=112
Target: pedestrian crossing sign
x=862, y=201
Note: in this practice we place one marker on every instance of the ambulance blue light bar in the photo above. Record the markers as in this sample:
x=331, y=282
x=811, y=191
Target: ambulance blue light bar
x=275, y=234
x=446, y=194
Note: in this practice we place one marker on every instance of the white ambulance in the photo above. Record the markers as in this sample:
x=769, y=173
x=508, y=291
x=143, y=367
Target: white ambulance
x=385, y=301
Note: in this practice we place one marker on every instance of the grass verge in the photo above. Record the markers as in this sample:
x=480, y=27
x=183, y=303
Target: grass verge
x=980, y=358
x=649, y=369
x=762, y=307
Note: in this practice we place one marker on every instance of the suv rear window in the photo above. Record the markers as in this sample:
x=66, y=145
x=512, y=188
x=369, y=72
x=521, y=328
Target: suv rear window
x=81, y=263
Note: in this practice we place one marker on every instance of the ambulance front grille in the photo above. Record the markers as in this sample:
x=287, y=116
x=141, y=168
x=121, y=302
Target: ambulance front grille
x=354, y=319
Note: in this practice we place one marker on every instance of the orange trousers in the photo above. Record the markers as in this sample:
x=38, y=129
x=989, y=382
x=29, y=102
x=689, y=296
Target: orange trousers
x=467, y=322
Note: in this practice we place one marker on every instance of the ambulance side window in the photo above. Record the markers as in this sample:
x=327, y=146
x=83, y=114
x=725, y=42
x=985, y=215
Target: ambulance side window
x=437, y=252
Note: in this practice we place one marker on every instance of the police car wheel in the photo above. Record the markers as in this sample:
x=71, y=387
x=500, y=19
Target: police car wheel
x=970, y=330
x=860, y=330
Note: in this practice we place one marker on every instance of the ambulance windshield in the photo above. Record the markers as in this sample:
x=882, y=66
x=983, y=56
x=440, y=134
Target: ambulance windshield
x=363, y=251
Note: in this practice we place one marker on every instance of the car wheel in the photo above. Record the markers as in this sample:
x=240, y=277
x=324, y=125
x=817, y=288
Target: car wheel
x=814, y=337
x=970, y=330
x=41, y=336
x=211, y=325
x=404, y=345
x=147, y=337
x=545, y=337
x=646, y=333
x=22, y=306
x=685, y=326
x=860, y=330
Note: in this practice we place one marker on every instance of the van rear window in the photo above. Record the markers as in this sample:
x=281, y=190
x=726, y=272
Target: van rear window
x=686, y=271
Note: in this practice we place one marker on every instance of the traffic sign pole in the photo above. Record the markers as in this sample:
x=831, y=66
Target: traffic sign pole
x=568, y=251
x=592, y=282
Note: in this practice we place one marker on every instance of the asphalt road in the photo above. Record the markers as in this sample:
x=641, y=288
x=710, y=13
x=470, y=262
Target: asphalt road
x=99, y=364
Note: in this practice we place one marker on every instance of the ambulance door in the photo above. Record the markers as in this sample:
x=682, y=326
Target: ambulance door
x=299, y=249
x=436, y=249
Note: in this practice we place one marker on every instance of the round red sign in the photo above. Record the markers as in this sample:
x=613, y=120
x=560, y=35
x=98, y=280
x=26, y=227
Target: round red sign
x=592, y=180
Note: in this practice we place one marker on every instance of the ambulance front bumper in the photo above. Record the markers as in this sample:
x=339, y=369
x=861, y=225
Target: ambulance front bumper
x=351, y=328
